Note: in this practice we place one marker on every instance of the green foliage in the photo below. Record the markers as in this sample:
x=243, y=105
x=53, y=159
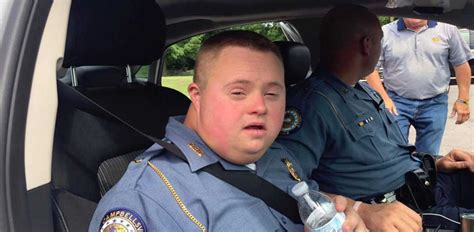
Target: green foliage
x=181, y=56
x=385, y=20
x=271, y=30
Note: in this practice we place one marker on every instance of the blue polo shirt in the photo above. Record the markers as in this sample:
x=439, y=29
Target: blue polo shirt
x=344, y=137
x=144, y=200
x=416, y=64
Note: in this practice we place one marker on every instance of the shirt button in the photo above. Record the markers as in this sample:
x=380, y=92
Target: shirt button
x=283, y=219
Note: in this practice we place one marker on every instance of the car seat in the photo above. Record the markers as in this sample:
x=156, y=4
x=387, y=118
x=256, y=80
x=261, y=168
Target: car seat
x=91, y=149
x=296, y=61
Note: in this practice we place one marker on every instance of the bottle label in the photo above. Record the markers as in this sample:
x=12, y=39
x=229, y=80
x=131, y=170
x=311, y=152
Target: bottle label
x=334, y=225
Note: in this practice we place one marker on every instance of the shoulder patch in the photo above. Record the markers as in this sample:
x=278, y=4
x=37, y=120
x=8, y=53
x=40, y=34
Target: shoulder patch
x=122, y=219
x=291, y=122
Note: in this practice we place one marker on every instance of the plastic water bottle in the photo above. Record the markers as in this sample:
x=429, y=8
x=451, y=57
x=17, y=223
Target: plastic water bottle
x=317, y=211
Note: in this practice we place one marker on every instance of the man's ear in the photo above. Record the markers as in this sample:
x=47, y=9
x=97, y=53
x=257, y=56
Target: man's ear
x=195, y=94
x=366, y=44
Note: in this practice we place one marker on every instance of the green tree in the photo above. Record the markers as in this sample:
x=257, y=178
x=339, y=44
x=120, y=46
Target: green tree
x=180, y=57
x=385, y=20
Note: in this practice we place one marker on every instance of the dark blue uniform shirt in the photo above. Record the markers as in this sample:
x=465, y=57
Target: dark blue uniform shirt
x=344, y=137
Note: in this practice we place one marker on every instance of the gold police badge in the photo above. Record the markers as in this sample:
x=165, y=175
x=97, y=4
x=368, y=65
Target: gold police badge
x=122, y=220
x=291, y=122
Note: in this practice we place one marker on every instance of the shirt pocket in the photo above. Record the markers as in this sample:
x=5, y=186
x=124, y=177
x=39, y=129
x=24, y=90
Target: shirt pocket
x=363, y=147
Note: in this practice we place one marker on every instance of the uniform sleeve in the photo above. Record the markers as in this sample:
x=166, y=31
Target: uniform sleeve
x=308, y=142
x=131, y=210
x=459, y=51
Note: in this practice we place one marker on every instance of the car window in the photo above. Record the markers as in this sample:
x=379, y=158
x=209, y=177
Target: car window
x=142, y=73
x=5, y=8
x=179, y=58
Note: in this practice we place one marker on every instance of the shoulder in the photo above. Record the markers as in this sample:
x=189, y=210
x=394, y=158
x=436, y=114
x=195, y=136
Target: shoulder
x=130, y=209
x=310, y=88
x=390, y=27
x=136, y=168
x=446, y=29
x=446, y=26
x=313, y=96
x=139, y=194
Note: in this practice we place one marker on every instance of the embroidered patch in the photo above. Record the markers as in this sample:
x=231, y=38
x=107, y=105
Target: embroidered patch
x=436, y=39
x=291, y=122
x=122, y=219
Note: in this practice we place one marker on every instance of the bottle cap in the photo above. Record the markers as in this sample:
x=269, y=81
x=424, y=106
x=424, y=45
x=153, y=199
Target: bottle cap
x=300, y=189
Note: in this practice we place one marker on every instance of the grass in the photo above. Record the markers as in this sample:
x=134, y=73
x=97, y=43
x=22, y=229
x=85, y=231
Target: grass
x=179, y=83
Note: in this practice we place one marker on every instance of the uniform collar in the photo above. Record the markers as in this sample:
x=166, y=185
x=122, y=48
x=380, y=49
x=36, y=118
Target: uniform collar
x=401, y=24
x=192, y=145
x=344, y=90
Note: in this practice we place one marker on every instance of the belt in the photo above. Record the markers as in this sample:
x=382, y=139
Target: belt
x=381, y=198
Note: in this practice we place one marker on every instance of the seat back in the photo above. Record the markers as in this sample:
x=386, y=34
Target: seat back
x=296, y=60
x=86, y=139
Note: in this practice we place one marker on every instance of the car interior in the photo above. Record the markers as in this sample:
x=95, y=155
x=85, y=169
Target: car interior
x=76, y=113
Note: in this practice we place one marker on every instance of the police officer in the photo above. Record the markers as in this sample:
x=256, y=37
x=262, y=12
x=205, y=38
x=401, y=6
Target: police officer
x=238, y=102
x=347, y=140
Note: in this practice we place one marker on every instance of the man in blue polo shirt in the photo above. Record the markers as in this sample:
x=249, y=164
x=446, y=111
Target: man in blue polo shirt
x=348, y=142
x=415, y=57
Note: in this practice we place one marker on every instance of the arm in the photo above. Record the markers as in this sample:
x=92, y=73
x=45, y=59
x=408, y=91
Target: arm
x=382, y=217
x=456, y=159
x=374, y=81
x=135, y=206
x=463, y=78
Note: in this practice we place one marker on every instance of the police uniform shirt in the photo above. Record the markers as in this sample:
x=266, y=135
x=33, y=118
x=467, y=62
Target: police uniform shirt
x=160, y=192
x=416, y=64
x=344, y=137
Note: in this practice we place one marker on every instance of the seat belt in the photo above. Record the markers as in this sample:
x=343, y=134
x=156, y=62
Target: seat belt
x=245, y=181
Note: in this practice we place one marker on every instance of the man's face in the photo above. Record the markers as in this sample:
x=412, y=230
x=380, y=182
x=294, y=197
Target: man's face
x=415, y=23
x=240, y=110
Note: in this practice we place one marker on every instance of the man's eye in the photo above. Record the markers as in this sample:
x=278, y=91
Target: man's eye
x=237, y=93
x=271, y=94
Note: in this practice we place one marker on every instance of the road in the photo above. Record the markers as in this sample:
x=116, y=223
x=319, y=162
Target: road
x=455, y=136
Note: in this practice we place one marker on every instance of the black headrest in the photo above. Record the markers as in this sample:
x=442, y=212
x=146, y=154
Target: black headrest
x=97, y=76
x=296, y=60
x=114, y=32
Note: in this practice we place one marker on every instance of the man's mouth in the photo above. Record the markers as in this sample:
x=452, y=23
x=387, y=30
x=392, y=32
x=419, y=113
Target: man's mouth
x=256, y=129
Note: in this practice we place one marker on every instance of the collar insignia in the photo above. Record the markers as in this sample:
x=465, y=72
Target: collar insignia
x=197, y=150
x=291, y=122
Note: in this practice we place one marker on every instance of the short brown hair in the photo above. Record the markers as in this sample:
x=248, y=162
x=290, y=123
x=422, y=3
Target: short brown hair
x=212, y=46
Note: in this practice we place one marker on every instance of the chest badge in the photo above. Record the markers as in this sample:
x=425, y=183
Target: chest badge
x=436, y=39
x=196, y=149
x=291, y=169
x=291, y=122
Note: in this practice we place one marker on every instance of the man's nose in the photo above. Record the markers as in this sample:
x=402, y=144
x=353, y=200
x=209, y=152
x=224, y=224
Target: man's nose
x=258, y=105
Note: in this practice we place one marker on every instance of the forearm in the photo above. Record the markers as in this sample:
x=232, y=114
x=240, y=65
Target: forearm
x=374, y=81
x=463, y=79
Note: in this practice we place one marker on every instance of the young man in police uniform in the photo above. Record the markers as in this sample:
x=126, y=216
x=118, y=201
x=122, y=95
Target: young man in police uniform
x=238, y=102
x=346, y=140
